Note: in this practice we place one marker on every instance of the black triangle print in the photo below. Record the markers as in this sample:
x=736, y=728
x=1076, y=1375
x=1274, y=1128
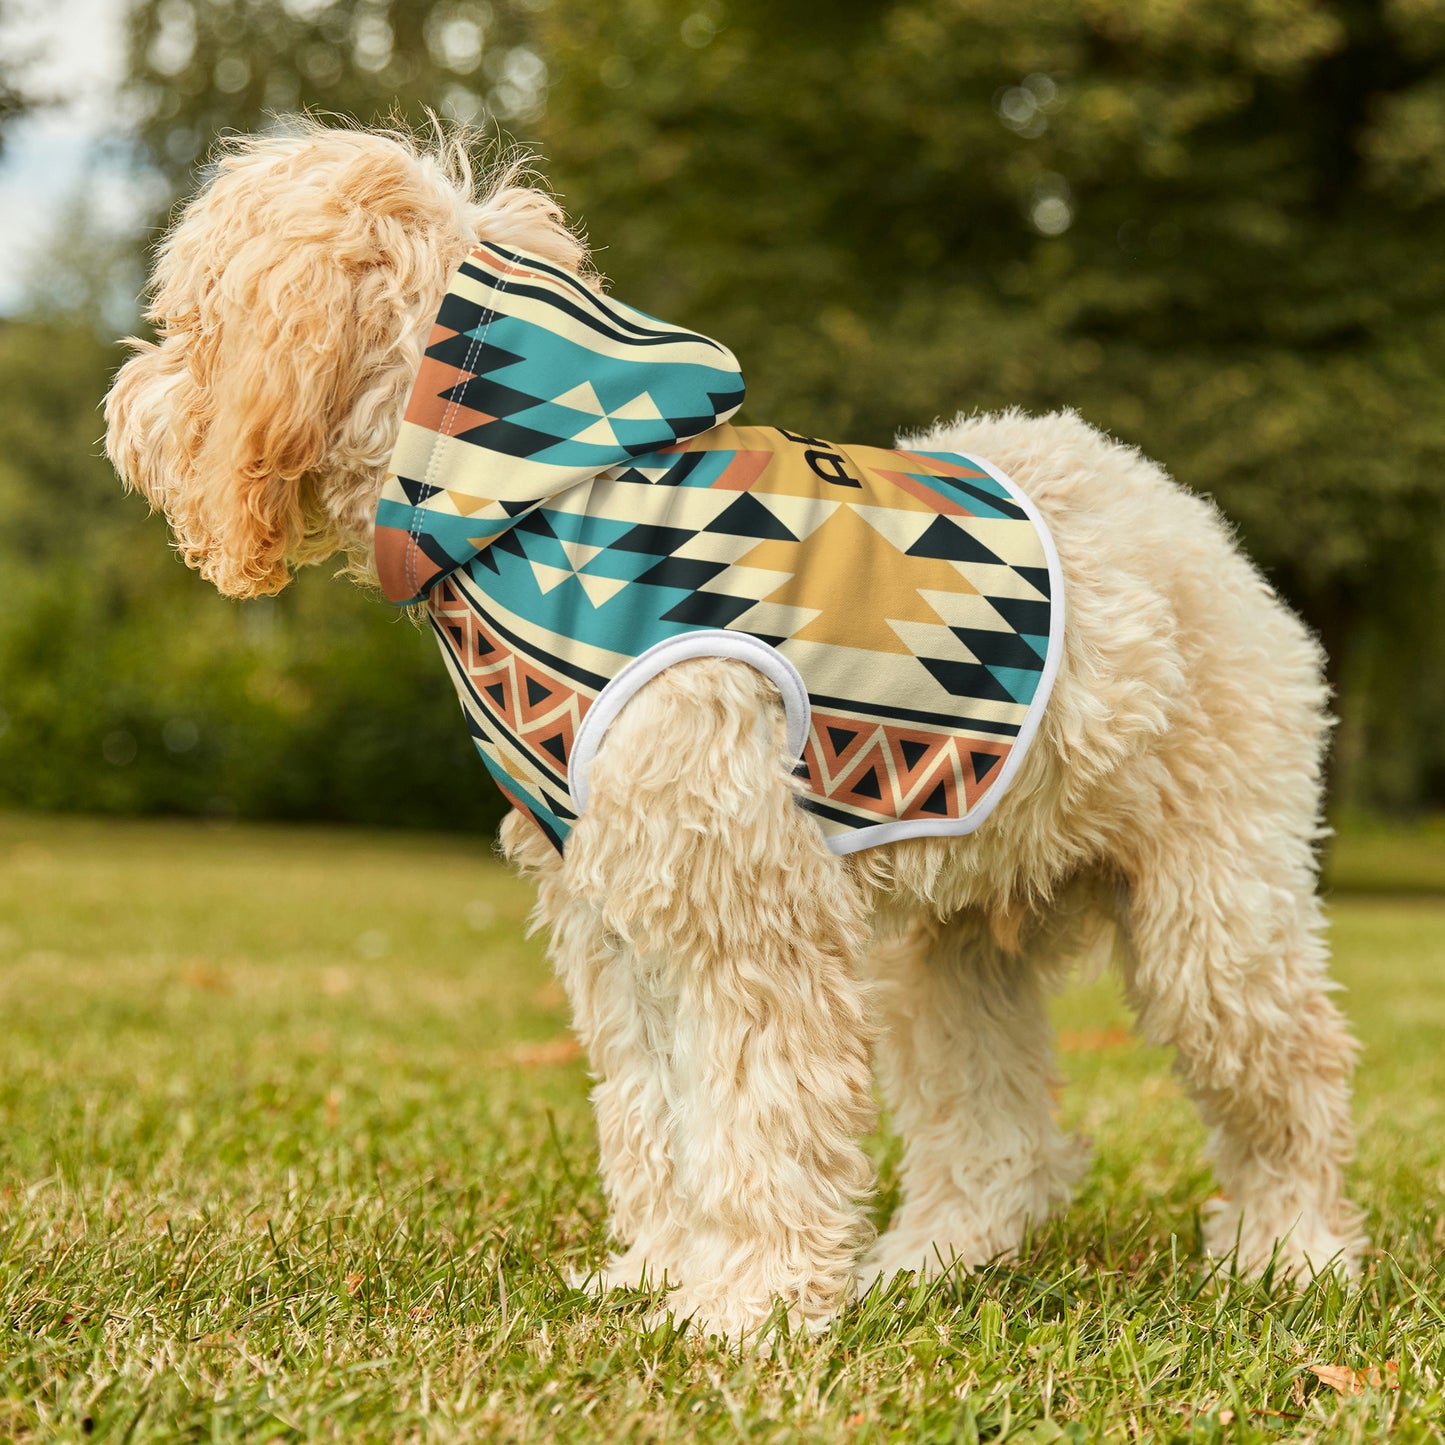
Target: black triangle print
x=1023, y=615
x=913, y=754
x=475, y=381
x=683, y=468
x=461, y=352
x=507, y=541
x=999, y=649
x=451, y=351
x=557, y=746
x=457, y=634
x=462, y=314
x=454, y=356
x=491, y=357
x=724, y=402
x=536, y=692
x=659, y=541
x=498, y=693
x=1036, y=577
x=536, y=524
x=991, y=500
x=950, y=539
x=433, y=551
x=747, y=517
x=681, y=426
x=936, y=802
x=983, y=764
x=967, y=679
x=708, y=609
x=557, y=809
x=686, y=574
x=509, y=438
x=841, y=738
x=867, y=785
x=417, y=492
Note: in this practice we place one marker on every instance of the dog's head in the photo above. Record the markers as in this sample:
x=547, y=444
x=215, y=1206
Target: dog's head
x=292, y=301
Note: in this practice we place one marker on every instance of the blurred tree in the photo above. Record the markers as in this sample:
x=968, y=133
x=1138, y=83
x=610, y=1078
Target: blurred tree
x=15, y=101
x=127, y=685
x=202, y=67
x=1216, y=227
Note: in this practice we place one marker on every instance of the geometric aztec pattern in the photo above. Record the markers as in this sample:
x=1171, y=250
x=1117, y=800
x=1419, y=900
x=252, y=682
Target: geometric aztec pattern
x=567, y=494
x=505, y=696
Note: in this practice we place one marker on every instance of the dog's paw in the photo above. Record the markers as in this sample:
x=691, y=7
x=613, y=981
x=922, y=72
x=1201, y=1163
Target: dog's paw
x=740, y=1323
x=913, y=1252
x=1298, y=1245
x=964, y=1229
x=881, y=1272
x=633, y=1270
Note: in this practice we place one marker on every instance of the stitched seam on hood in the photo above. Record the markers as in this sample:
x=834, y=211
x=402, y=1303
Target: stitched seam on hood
x=445, y=430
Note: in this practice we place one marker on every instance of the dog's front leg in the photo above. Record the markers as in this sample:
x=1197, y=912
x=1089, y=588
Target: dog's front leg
x=742, y=931
x=622, y=1012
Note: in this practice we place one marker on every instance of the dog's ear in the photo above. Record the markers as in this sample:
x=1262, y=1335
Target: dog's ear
x=288, y=302
x=147, y=414
x=267, y=336
x=282, y=348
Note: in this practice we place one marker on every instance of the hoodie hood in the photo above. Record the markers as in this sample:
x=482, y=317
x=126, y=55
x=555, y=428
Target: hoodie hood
x=531, y=384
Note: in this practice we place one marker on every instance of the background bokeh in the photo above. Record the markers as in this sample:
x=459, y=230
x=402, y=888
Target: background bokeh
x=1214, y=227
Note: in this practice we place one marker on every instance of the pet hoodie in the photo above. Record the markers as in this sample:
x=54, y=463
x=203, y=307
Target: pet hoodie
x=569, y=499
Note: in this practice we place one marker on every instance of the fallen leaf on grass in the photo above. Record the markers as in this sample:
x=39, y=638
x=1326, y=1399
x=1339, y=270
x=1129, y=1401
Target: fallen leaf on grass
x=1090, y=1041
x=197, y=973
x=354, y=1283
x=561, y=1050
x=1345, y=1381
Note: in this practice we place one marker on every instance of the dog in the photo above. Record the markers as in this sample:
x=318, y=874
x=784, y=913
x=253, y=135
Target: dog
x=733, y=977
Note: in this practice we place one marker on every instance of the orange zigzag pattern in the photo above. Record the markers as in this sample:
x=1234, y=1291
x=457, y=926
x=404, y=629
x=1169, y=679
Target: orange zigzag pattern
x=913, y=772
x=536, y=707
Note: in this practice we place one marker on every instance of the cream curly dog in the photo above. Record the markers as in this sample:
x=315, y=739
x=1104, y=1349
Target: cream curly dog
x=731, y=977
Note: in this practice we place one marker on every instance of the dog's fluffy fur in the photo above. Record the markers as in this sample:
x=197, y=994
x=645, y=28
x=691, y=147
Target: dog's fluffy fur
x=730, y=977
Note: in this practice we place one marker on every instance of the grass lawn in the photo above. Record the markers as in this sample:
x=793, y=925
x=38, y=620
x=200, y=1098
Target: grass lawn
x=293, y=1145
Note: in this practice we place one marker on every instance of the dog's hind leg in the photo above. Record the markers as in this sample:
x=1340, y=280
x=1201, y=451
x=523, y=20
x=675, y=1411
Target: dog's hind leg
x=1213, y=836
x=966, y=1060
x=695, y=853
x=1228, y=966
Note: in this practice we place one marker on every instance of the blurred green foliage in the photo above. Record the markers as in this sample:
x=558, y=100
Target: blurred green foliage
x=14, y=98
x=1215, y=227
x=127, y=685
